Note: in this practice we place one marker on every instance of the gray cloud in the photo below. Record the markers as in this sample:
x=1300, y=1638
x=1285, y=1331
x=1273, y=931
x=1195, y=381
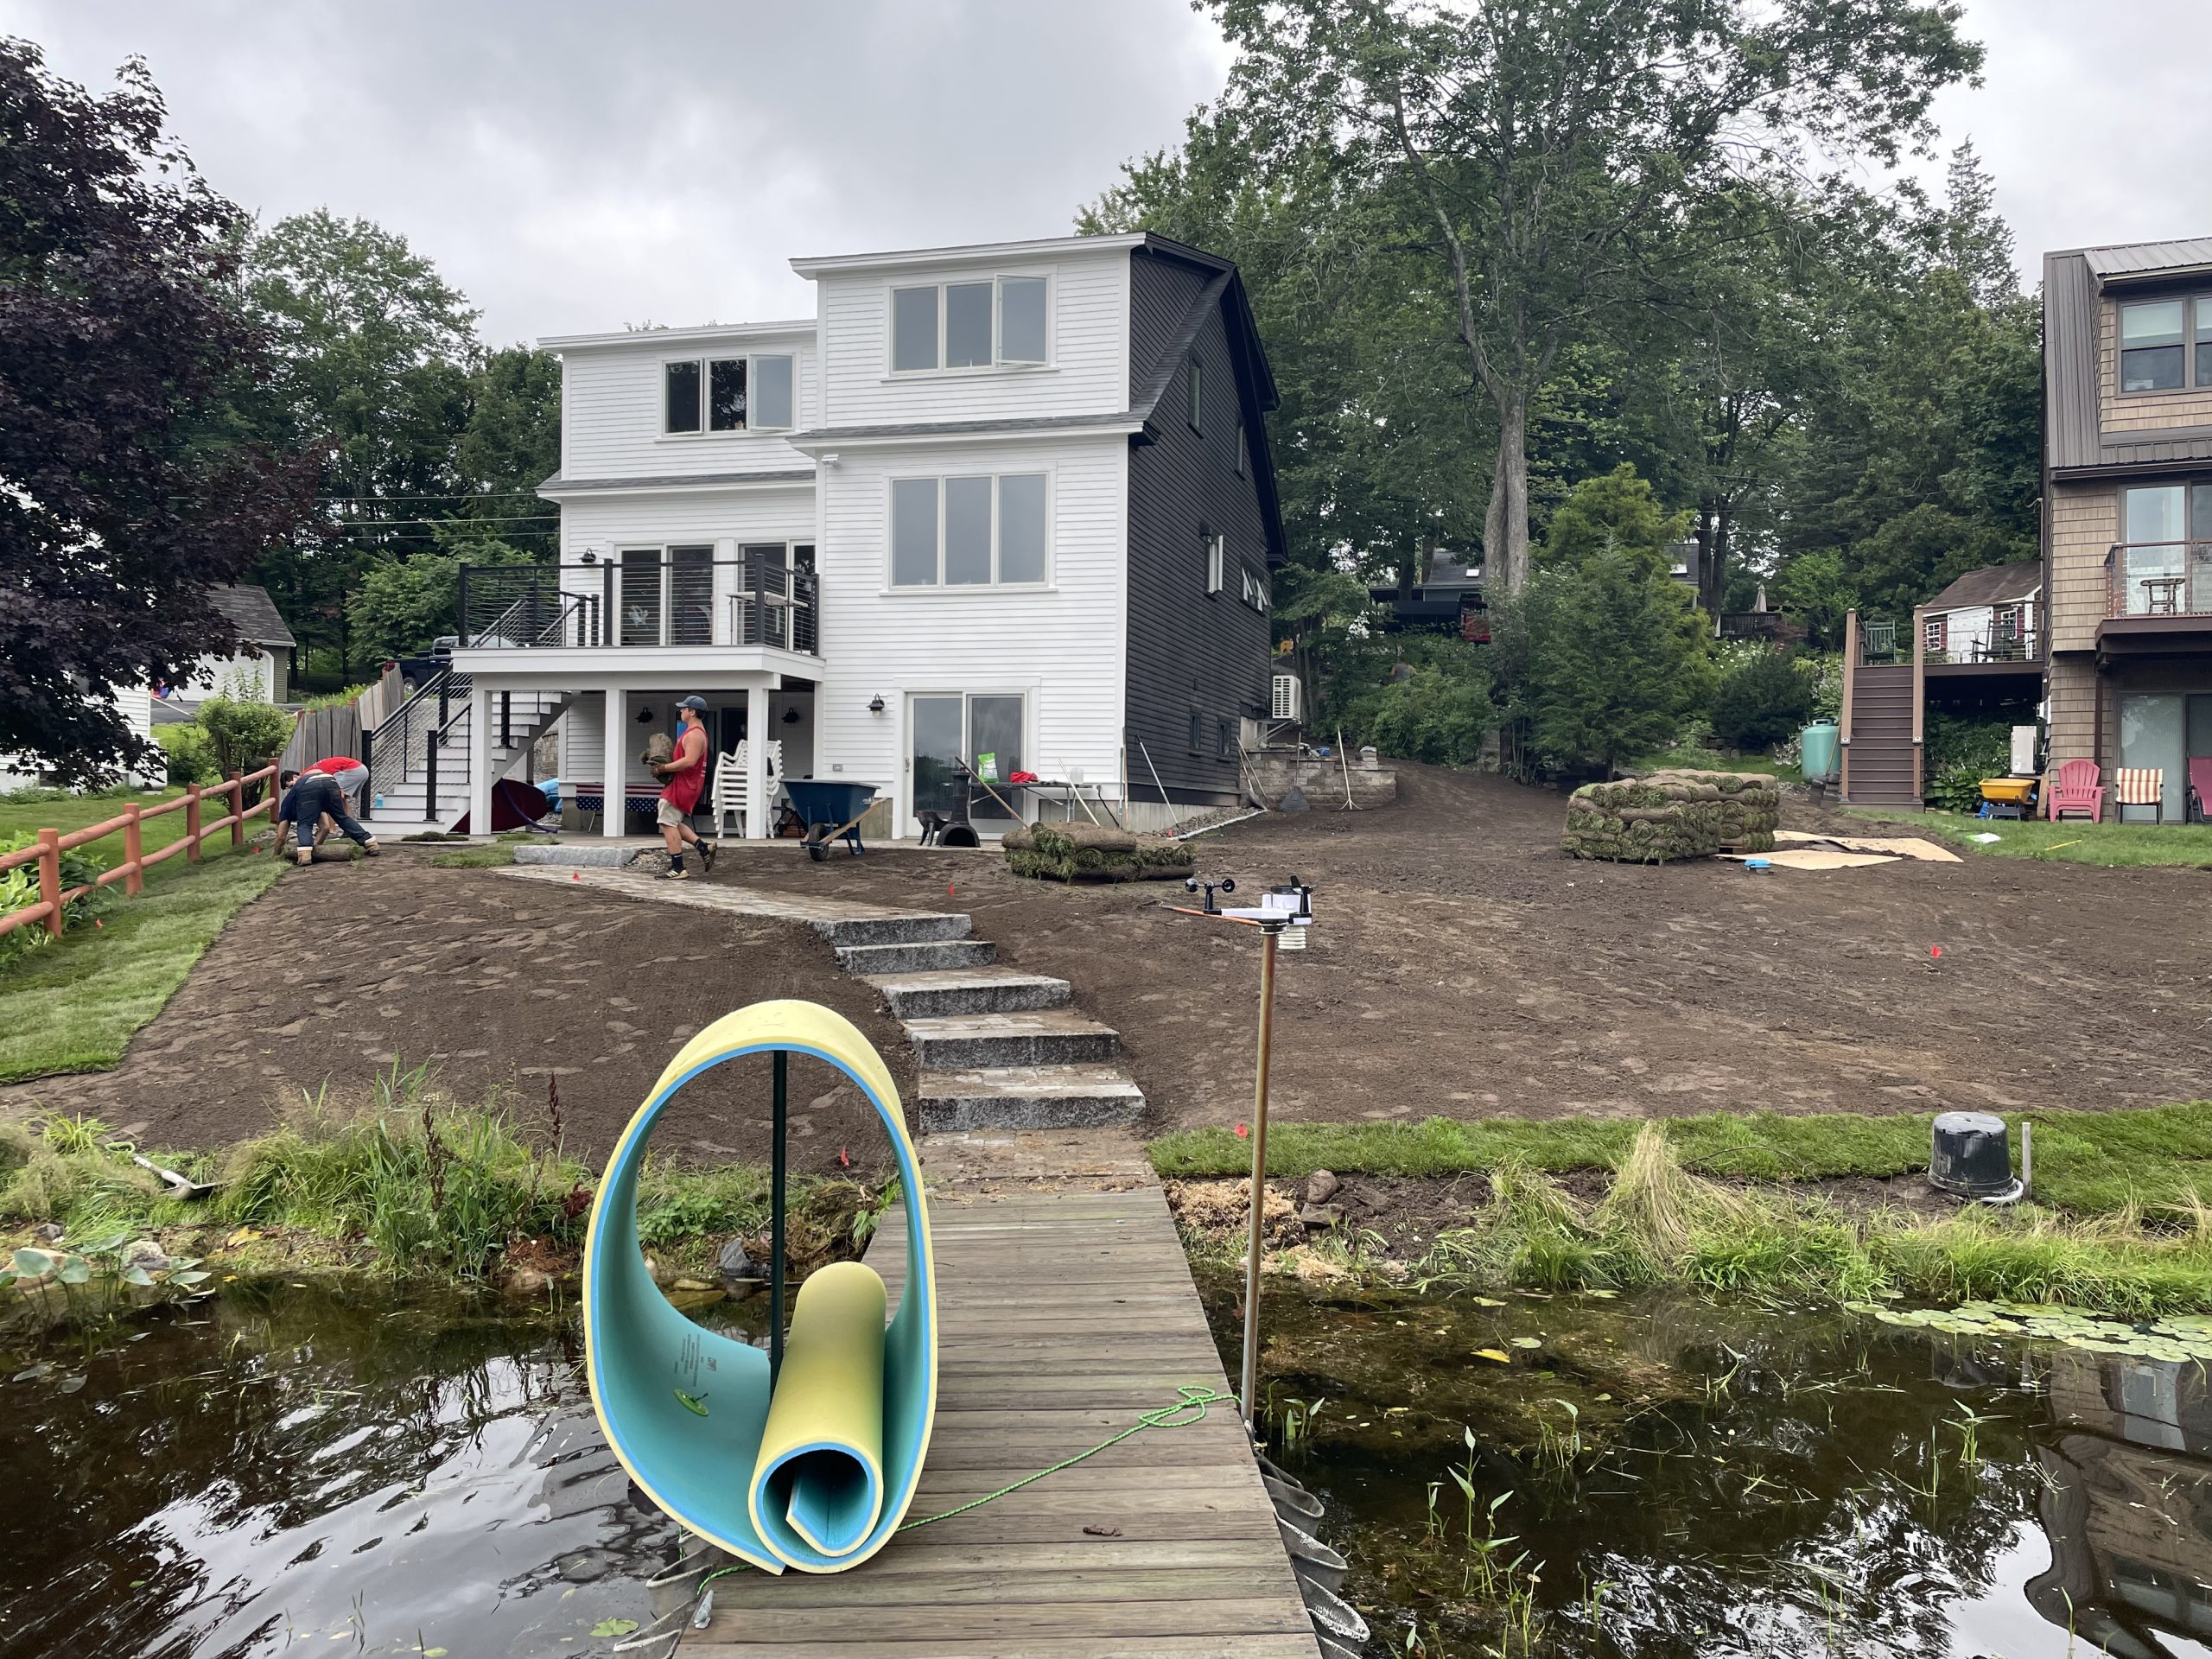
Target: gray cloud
x=575, y=166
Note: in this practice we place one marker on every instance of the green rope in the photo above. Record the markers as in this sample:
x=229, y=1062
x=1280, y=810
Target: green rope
x=1190, y=1398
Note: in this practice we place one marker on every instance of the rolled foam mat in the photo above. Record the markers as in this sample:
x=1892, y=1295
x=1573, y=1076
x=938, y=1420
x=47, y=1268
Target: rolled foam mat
x=820, y=1476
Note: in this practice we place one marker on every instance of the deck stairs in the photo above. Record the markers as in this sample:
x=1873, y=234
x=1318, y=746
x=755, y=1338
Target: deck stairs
x=399, y=759
x=1880, y=767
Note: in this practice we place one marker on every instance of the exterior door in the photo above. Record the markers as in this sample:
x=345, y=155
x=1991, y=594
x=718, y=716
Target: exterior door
x=950, y=731
x=933, y=758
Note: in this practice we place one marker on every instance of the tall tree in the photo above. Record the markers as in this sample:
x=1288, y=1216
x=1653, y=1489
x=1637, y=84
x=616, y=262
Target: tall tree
x=1548, y=145
x=123, y=495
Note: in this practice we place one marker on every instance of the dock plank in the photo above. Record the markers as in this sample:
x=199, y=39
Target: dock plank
x=1066, y=1312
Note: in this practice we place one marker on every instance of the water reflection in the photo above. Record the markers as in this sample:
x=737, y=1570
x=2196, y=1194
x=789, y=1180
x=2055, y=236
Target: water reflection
x=293, y=1465
x=1738, y=1481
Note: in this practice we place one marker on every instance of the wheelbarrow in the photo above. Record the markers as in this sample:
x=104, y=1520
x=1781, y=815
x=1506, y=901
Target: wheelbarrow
x=832, y=810
x=2008, y=797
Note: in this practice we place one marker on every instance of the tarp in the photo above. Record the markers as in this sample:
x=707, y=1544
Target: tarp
x=818, y=1477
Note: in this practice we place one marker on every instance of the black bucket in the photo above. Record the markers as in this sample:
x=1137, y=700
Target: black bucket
x=1971, y=1157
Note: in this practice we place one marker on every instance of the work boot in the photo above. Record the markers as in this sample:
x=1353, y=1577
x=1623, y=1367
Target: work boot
x=304, y=857
x=371, y=848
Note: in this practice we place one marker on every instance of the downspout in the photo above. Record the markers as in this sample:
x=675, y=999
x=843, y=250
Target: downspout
x=1919, y=699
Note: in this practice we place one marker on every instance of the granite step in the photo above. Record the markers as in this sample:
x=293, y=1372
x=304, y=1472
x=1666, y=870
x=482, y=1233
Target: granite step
x=865, y=961
x=969, y=990
x=1040, y=1037
x=1082, y=1097
x=915, y=927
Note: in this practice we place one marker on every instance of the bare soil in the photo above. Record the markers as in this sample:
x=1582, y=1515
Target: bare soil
x=1463, y=966
x=344, y=971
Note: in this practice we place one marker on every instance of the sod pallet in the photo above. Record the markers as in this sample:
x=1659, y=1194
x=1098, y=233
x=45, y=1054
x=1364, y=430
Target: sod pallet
x=1088, y=852
x=1671, y=815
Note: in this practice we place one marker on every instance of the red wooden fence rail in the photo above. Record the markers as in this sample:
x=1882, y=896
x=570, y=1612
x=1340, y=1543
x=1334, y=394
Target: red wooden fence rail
x=53, y=901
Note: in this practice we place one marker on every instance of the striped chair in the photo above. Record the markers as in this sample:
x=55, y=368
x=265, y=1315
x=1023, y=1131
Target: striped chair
x=2139, y=786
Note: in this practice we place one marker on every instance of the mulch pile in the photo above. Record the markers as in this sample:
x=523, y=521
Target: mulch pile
x=1090, y=852
x=1672, y=814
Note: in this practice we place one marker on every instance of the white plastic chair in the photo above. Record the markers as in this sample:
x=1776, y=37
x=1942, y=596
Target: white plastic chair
x=729, y=784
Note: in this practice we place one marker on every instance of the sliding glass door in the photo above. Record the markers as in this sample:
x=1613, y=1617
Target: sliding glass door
x=979, y=730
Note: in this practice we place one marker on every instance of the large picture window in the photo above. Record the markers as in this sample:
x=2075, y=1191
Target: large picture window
x=2166, y=345
x=998, y=321
x=757, y=393
x=975, y=529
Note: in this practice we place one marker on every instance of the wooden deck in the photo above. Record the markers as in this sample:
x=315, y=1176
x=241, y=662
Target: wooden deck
x=1066, y=1310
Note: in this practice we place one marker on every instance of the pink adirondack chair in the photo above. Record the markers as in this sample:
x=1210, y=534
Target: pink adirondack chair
x=2200, y=787
x=2077, y=791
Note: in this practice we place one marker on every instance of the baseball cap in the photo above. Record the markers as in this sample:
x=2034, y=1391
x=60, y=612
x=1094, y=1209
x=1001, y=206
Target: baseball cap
x=692, y=702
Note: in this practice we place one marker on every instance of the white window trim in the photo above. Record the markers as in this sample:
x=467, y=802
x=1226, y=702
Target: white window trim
x=1217, y=562
x=1030, y=693
x=1050, y=584
x=704, y=360
x=997, y=366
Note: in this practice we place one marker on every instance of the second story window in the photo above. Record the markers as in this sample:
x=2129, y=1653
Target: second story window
x=2165, y=343
x=1216, y=558
x=1194, y=388
x=968, y=531
x=1000, y=322
x=729, y=394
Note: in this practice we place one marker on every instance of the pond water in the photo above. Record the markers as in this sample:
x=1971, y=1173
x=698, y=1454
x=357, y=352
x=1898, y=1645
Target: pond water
x=286, y=1467
x=1653, y=1477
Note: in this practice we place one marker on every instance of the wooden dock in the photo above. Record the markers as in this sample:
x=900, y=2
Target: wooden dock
x=1067, y=1310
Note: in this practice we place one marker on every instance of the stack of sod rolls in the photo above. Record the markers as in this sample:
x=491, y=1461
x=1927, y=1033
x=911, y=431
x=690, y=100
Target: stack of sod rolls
x=1673, y=815
x=1090, y=852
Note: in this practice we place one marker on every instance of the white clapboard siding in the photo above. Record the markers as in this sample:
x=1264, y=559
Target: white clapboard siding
x=611, y=411
x=1088, y=341
x=1062, y=647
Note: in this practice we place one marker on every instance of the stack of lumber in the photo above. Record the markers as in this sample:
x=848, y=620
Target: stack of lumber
x=1090, y=852
x=1673, y=815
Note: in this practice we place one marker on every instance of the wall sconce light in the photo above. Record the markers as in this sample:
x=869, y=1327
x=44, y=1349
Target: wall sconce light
x=591, y=558
x=791, y=716
x=645, y=716
x=875, y=705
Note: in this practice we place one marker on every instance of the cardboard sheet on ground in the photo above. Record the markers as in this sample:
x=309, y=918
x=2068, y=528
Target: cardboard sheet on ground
x=1812, y=858
x=1894, y=846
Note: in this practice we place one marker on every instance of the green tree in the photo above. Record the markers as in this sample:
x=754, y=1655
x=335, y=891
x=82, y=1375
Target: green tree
x=1617, y=512
x=509, y=445
x=1436, y=709
x=1619, y=661
x=402, y=605
x=1762, y=697
x=1540, y=149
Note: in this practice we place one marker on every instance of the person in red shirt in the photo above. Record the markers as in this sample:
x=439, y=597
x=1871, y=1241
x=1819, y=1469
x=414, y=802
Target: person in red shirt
x=352, y=778
x=686, y=771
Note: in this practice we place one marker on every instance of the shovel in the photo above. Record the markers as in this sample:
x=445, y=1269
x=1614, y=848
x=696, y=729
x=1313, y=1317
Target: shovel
x=180, y=1186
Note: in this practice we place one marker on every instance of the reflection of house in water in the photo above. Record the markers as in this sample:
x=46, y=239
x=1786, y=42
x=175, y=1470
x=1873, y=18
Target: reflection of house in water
x=2128, y=1510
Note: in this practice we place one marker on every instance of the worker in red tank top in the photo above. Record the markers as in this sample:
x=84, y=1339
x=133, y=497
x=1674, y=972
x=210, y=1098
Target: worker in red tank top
x=686, y=771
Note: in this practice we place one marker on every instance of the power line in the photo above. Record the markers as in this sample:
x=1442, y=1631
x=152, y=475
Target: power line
x=486, y=495
x=391, y=524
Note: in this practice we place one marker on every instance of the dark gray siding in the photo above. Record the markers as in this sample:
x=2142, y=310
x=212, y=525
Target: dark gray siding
x=1190, y=651
x=2069, y=360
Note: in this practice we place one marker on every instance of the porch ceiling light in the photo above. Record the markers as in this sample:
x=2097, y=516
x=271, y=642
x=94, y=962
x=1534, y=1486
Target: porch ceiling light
x=875, y=705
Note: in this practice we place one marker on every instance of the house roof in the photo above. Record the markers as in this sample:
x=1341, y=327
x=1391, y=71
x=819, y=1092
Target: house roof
x=1994, y=584
x=813, y=264
x=656, y=338
x=252, y=614
x=822, y=437
x=2150, y=259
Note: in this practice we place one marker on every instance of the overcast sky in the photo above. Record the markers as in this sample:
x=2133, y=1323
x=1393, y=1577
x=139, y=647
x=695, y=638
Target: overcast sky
x=575, y=166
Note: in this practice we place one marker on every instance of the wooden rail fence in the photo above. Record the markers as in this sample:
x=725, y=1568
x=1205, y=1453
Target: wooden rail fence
x=53, y=901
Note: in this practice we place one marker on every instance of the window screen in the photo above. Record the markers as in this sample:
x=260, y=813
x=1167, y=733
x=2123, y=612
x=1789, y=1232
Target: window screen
x=914, y=532
x=682, y=395
x=1021, y=527
x=1021, y=320
x=967, y=530
x=726, y=395
x=967, y=325
x=773, y=392
x=913, y=328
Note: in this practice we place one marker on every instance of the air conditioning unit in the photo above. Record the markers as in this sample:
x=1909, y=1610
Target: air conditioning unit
x=1289, y=702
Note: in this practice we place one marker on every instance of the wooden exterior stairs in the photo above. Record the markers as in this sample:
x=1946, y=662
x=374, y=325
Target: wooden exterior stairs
x=1881, y=719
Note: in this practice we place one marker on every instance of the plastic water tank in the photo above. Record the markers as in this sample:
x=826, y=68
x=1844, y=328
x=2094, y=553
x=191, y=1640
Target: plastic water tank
x=1817, y=750
x=1971, y=1156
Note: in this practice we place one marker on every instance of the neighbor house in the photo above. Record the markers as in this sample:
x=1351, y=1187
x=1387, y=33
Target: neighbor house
x=2127, y=507
x=1013, y=500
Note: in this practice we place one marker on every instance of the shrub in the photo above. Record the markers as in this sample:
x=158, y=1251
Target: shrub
x=1764, y=697
x=19, y=886
x=243, y=735
x=1439, y=713
x=187, y=755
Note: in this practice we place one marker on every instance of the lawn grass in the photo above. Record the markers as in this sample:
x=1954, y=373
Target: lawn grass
x=2113, y=846
x=2088, y=1163
x=495, y=856
x=72, y=1007
x=1685, y=758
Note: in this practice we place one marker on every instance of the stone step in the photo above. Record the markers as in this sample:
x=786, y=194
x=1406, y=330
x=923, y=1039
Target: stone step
x=969, y=990
x=917, y=927
x=867, y=960
x=1027, y=1097
x=1042, y=1037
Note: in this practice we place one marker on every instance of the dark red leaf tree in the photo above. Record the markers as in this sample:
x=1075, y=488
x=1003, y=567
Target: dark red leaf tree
x=129, y=483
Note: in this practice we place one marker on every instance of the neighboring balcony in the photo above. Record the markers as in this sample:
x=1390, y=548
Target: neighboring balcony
x=638, y=610
x=2158, y=597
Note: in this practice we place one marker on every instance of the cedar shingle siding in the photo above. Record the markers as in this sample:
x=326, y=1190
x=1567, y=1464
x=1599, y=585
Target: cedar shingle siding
x=1195, y=658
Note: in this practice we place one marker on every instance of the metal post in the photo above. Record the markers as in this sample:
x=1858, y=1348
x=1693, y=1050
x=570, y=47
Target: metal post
x=462, y=605
x=776, y=1222
x=1268, y=932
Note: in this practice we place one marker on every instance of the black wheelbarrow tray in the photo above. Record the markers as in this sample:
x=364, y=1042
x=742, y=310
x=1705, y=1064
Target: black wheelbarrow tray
x=831, y=810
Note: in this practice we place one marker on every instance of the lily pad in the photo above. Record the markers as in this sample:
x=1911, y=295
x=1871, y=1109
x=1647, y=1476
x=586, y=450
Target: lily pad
x=614, y=1627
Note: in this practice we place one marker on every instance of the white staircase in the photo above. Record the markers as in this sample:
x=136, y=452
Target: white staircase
x=399, y=765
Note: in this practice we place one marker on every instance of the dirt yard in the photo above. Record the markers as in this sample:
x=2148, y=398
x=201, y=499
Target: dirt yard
x=1464, y=967
x=342, y=972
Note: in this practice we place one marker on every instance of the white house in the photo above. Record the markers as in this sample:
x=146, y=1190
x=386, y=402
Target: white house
x=1012, y=500
x=1986, y=616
